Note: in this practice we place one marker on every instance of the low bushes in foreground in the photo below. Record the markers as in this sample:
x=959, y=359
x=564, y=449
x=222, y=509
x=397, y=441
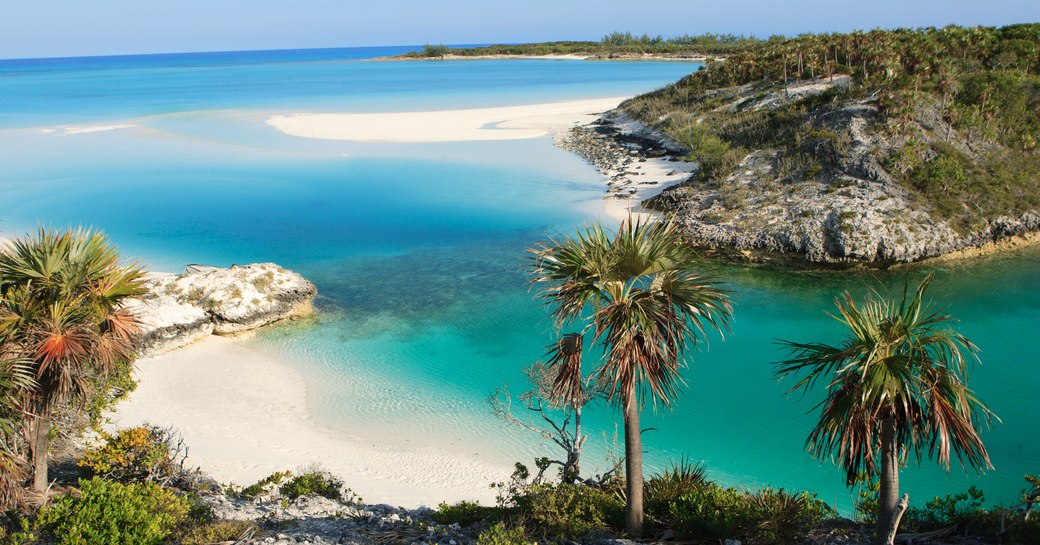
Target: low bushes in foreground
x=141, y=453
x=103, y=512
x=680, y=499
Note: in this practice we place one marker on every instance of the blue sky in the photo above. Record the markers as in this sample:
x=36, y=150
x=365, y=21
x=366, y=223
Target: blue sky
x=46, y=28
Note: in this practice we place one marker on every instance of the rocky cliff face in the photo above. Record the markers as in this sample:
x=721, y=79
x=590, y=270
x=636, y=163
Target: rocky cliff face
x=178, y=310
x=851, y=211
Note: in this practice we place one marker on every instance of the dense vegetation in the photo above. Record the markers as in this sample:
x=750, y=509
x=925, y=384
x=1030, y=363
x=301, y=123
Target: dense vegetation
x=956, y=111
x=616, y=44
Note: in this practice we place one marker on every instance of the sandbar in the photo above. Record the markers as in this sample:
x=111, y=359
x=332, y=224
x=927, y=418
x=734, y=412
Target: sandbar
x=504, y=123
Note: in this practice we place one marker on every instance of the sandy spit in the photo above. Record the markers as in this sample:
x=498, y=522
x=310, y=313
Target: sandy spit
x=505, y=123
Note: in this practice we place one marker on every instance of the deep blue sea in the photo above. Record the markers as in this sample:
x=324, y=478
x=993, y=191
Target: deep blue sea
x=418, y=250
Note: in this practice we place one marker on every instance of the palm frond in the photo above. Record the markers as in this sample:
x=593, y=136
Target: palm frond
x=897, y=361
x=639, y=294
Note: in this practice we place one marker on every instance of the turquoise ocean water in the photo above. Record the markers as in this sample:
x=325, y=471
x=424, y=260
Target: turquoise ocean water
x=418, y=249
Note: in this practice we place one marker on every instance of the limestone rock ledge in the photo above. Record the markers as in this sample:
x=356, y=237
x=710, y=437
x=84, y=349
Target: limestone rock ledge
x=178, y=310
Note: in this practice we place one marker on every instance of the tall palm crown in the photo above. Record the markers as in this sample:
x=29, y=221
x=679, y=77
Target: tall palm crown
x=60, y=311
x=896, y=385
x=639, y=295
x=897, y=362
x=643, y=299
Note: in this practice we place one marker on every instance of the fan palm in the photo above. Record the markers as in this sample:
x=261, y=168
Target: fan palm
x=60, y=311
x=897, y=385
x=639, y=295
x=15, y=378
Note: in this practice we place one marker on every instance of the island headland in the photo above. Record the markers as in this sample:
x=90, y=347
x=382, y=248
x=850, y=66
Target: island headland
x=812, y=152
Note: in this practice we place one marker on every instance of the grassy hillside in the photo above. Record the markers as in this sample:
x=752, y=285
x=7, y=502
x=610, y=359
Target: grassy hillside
x=954, y=114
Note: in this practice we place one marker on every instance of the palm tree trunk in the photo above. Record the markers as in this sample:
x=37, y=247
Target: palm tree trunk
x=633, y=465
x=41, y=442
x=574, y=456
x=888, y=495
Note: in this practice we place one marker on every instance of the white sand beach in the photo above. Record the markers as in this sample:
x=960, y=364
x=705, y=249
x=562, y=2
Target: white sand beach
x=505, y=123
x=243, y=416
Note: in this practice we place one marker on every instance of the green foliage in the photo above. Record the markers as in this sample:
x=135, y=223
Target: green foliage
x=465, y=513
x=780, y=517
x=433, y=51
x=142, y=453
x=867, y=500
x=709, y=512
x=678, y=480
x=501, y=533
x=258, y=487
x=108, y=513
x=765, y=517
x=315, y=482
x=958, y=509
x=572, y=510
x=218, y=532
x=613, y=44
x=716, y=157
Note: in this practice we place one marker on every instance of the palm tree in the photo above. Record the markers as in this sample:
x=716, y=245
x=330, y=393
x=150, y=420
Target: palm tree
x=895, y=384
x=639, y=295
x=60, y=310
x=15, y=378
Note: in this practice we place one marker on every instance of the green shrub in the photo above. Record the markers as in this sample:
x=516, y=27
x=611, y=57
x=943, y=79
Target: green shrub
x=142, y=453
x=109, y=513
x=259, y=487
x=465, y=513
x=777, y=517
x=951, y=509
x=216, y=532
x=502, y=534
x=709, y=512
x=314, y=482
x=572, y=510
x=674, y=482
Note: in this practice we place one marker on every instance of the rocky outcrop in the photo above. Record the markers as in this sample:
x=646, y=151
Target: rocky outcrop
x=316, y=520
x=177, y=310
x=844, y=210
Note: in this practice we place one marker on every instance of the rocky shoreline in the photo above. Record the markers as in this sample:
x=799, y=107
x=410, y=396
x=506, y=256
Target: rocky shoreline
x=859, y=217
x=177, y=310
x=637, y=161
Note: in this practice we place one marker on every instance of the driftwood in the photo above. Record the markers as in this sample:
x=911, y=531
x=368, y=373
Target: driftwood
x=246, y=536
x=897, y=517
x=564, y=430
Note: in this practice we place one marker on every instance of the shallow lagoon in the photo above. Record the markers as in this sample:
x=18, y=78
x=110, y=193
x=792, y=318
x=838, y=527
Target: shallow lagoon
x=418, y=250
